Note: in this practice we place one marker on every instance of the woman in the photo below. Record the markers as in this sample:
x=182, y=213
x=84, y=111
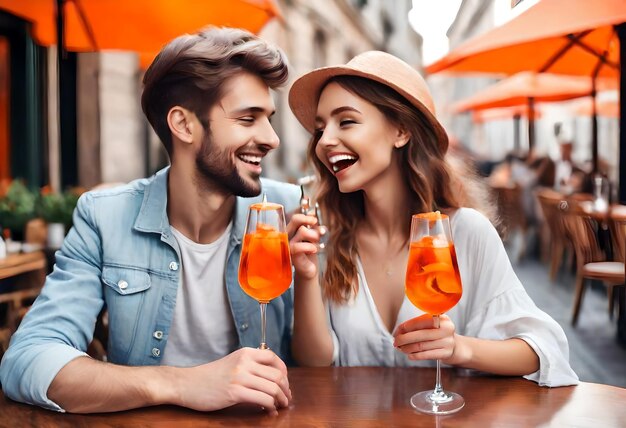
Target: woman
x=379, y=152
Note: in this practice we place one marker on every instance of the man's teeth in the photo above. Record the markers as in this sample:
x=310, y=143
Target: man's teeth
x=251, y=159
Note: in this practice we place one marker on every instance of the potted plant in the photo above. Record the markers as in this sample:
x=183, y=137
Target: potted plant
x=17, y=207
x=57, y=209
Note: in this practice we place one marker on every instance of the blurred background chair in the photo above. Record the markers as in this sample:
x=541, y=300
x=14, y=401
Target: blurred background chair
x=549, y=201
x=591, y=260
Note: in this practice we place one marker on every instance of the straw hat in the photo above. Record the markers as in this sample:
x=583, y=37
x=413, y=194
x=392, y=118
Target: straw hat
x=375, y=65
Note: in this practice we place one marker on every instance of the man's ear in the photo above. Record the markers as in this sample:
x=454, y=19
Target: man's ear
x=181, y=124
x=402, y=138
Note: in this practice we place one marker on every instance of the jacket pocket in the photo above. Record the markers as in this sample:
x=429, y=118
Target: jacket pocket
x=124, y=280
x=126, y=292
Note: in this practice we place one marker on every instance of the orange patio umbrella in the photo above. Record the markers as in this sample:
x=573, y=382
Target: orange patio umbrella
x=503, y=113
x=559, y=36
x=526, y=88
x=603, y=108
x=143, y=26
x=578, y=37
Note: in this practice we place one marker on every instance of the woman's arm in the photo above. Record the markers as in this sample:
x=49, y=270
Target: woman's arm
x=419, y=339
x=510, y=357
x=311, y=343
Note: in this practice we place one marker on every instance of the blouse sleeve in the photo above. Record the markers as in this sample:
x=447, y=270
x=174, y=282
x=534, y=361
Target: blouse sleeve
x=498, y=306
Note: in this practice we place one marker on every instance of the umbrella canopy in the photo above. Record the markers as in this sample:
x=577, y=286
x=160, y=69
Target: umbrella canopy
x=603, y=108
x=526, y=88
x=559, y=36
x=520, y=88
x=143, y=26
x=503, y=113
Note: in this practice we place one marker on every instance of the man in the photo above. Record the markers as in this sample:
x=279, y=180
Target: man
x=162, y=254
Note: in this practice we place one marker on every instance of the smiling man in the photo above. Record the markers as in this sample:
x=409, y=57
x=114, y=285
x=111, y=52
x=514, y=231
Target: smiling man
x=161, y=254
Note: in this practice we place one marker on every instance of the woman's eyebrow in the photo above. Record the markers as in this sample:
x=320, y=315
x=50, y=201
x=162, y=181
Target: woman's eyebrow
x=339, y=110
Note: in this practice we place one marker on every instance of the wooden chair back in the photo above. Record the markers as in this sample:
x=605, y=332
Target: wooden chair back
x=581, y=230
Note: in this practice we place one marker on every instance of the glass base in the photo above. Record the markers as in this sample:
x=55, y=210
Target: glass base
x=443, y=403
x=263, y=346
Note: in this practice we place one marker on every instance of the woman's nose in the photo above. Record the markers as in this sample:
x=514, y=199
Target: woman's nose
x=327, y=139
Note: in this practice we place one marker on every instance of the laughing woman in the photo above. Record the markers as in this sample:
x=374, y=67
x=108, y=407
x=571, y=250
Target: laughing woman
x=380, y=155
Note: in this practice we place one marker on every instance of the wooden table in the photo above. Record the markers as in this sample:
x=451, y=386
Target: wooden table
x=17, y=264
x=372, y=397
x=21, y=278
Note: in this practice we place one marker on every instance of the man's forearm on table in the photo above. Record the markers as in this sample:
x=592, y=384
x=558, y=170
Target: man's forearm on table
x=85, y=385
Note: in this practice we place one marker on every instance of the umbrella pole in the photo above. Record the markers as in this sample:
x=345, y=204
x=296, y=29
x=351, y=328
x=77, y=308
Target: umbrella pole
x=594, y=127
x=531, y=125
x=621, y=32
x=60, y=22
x=516, y=134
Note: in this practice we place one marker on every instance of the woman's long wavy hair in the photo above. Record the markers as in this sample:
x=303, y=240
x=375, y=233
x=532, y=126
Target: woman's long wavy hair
x=425, y=170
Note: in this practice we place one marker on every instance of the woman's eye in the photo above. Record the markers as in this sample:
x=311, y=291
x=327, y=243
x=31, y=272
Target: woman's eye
x=317, y=133
x=345, y=122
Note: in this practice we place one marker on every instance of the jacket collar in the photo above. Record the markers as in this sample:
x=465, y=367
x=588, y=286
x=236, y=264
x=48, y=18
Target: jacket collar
x=153, y=214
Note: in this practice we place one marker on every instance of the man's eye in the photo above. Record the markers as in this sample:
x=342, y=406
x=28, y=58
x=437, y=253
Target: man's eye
x=248, y=119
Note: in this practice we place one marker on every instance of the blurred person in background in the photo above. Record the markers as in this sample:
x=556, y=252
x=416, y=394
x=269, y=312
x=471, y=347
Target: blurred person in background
x=161, y=254
x=380, y=154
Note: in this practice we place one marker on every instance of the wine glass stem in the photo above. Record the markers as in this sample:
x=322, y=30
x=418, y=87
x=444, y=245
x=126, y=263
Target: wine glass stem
x=263, y=345
x=438, y=388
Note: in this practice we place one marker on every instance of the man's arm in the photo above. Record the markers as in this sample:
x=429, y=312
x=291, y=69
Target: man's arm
x=246, y=376
x=59, y=326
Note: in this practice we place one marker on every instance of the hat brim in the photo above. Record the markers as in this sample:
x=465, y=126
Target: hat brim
x=306, y=90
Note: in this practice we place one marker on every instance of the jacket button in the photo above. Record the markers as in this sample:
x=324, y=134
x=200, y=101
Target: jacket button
x=156, y=352
x=158, y=335
x=173, y=266
x=123, y=285
x=244, y=326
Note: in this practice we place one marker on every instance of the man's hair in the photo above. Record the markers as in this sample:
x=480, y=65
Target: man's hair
x=190, y=72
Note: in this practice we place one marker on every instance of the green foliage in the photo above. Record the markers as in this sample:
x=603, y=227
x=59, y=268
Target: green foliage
x=57, y=207
x=17, y=206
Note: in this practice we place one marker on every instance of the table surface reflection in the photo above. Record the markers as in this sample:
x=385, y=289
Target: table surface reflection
x=372, y=397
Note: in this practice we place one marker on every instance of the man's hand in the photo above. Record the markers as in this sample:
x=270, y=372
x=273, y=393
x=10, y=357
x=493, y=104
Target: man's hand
x=248, y=375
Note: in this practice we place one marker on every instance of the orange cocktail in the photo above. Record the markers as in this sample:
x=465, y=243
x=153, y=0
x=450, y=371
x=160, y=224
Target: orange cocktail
x=265, y=267
x=433, y=283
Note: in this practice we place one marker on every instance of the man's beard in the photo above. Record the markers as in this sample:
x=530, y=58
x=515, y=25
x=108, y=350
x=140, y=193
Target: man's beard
x=218, y=169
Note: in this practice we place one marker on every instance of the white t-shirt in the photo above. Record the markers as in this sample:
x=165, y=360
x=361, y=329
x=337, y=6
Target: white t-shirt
x=494, y=305
x=202, y=329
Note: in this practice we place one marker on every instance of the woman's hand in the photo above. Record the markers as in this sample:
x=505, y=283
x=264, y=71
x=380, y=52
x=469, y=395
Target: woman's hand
x=303, y=244
x=420, y=340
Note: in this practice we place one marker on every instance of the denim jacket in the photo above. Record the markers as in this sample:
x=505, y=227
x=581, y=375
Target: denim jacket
x=121, y=253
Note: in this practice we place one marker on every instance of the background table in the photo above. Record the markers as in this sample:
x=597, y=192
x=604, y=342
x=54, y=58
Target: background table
x=372, y=397
x=17, y=264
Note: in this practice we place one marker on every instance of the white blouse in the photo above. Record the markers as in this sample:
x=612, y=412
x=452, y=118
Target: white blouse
x=494, y=305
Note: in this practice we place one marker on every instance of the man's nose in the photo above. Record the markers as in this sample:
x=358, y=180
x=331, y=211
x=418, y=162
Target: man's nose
x=268, y=136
